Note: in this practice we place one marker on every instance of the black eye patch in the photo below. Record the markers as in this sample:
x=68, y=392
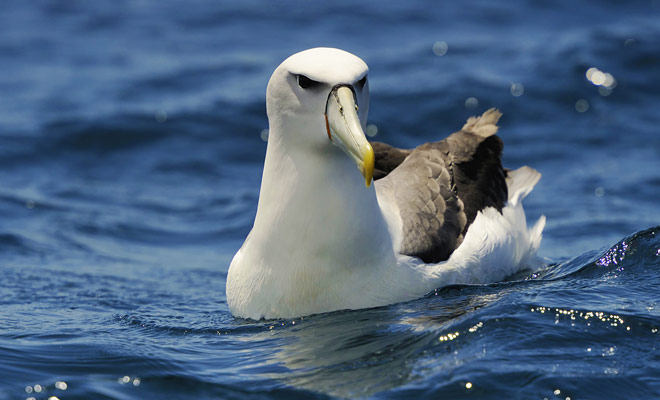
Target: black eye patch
x=306, y=83
x=362, y=81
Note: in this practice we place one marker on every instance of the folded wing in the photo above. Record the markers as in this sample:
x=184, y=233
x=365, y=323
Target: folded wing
x=438, y=188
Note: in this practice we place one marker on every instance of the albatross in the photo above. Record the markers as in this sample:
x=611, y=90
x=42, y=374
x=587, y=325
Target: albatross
x=329, y=236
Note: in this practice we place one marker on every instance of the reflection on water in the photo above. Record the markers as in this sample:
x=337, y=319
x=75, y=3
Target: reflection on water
x=358, y=353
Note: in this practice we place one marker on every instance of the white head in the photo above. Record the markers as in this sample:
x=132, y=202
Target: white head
x=320, y=97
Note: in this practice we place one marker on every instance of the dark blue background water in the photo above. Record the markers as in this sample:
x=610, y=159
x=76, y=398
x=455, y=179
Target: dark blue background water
x=130, y=162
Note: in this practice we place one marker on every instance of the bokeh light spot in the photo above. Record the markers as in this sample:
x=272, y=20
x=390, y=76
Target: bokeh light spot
x=582, y=105
x=440, y=48
x=517, y=89
x=161, y=116
x=372, y=130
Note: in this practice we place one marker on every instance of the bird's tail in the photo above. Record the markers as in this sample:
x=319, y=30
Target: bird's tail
x=520, y=183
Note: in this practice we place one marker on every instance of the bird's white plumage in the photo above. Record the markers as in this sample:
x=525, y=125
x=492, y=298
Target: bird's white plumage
x=322, y=241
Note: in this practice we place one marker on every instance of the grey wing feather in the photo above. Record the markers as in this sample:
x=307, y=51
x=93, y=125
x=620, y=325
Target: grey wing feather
x=387, y=158
x=439, y=187
x=431, y=214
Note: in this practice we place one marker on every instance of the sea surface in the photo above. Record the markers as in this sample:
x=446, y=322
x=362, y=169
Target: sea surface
x=131, y=150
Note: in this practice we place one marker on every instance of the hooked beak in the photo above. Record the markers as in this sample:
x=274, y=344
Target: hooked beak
x=344, y=130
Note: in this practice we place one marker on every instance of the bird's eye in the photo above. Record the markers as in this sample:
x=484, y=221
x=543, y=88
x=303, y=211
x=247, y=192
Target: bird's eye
x=306, y=83
x=362, y=81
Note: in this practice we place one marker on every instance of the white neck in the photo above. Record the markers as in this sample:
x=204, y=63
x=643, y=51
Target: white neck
x=313, y=205
x=319, y=237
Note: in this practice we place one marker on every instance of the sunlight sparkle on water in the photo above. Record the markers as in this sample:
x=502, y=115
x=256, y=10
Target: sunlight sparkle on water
x=600, y=78
x=614, y=255
x=477, y=326
x=604, y=80
x=449, y=336
x=127, y=379
x=577, y=315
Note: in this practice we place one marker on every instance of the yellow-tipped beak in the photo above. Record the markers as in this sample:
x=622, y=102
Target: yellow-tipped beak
x=345, y=130
x=368, y=160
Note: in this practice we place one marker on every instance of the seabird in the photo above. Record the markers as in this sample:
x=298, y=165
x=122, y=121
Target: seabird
x=329, y=237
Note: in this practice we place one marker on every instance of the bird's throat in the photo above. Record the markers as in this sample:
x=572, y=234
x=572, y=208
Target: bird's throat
x=315, y=208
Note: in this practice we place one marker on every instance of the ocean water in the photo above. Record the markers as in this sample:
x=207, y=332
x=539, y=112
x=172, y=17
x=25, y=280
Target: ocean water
x=131, y=153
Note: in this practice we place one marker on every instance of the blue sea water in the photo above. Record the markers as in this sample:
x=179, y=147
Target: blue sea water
x=130, y=160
